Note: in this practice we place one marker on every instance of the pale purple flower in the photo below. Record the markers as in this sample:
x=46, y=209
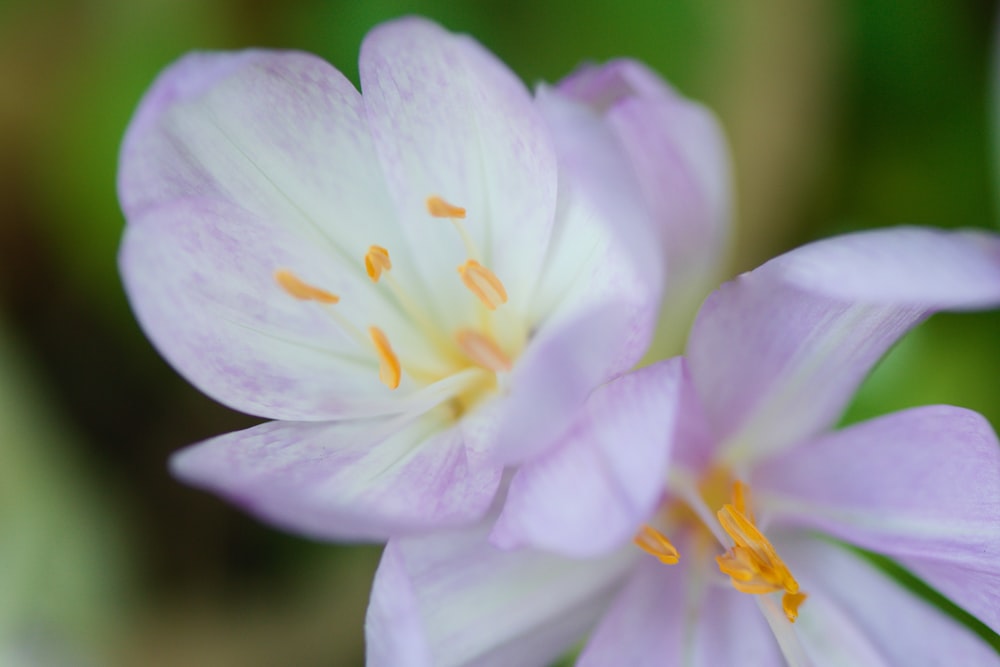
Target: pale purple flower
x=729, y=457
x=292, y=249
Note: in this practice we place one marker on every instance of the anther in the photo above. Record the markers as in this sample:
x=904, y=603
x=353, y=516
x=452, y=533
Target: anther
x=655, y=543
x=389, y=370
x=483, y=283
x=301, y=290
x=439, y=208
x=376, y=261
x=483, y=351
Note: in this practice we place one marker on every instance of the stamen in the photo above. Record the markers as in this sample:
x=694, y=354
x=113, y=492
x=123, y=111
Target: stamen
x=439, y=208
x=655, y=543
x=752, y=564
x=376, y=261
x=389, y=371
x=483, y=283
x=742, y=500
x=483, y=351
x=301, y=290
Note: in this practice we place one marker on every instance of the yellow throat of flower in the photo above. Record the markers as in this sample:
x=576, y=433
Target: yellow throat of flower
x=752, y=563
x=474, y=347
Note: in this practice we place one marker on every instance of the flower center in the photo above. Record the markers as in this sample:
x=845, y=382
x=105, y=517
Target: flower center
x=474, y=347
x=752, y=563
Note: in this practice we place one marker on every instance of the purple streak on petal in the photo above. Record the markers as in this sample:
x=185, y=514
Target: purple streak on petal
x=669, y=615
x=476, y=605
x=777, y=353
x=856, y=615
x=363, y=479
x=921, y=485
x=449, y=119
x=608, y=471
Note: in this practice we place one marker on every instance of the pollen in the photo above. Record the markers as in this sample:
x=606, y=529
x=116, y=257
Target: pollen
x=483, y=283
x=752, y=563
x=439, y=208
x=302, y=290
x=655, y=543
x=483, y=351
x=389, y=370
x=376, y=261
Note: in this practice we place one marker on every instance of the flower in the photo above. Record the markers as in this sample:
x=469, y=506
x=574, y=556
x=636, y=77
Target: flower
x=292, y=247
x=715, y=487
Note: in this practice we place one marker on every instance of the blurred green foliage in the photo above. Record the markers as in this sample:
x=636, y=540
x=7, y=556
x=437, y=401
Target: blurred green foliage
x=842, y=115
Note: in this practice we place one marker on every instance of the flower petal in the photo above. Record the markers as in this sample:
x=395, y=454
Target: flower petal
x=200, y=275
x=361, y=479
x=922, y=486
x=449, y=119
x=608, y=471
x=855, y=615
x=777, y=353
x=556, y=374
x=669, y=615
x=282, y=135
x=452, y=600
x=677, y=151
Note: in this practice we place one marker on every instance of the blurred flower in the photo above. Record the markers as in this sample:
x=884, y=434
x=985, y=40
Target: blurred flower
x=773, y=359
x=292, y=247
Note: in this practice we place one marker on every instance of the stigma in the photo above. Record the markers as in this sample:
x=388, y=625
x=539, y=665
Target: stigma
x=753, y=565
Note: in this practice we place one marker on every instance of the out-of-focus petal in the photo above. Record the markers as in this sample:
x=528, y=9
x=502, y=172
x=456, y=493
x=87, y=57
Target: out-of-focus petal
x=282, y=135
x=855, y=615
x=670, y=615
x=200, y=275
x=453, y=600
x=777, y=353
x=608, y=471
x=449, y=119
x=554, y=377
x=922, y=486
x=359, y=479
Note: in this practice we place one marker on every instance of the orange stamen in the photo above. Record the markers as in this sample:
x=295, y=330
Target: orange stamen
x=301, y=290
x=389, y=371
x=655, y=543
x=376, y=261
x=483, y=351
x=483, y=283
x=439, y=208
x=752, y=563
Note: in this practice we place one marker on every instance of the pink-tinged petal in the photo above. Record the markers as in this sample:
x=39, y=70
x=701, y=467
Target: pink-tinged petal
x=777, y=353
x=670, y=615
x=856, y=615
x=607, y=472
x=922, y=486
x=200, y=275
x=678, y=154
x=453, y=600
x=282, y=135
x=361, y=479
x=449, y=119
x=554, y=377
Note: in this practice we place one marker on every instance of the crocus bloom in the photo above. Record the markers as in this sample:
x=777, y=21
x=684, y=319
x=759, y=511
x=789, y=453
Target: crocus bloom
x=420, y=284
x=703, y=498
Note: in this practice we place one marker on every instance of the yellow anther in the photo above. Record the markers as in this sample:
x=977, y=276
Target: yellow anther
x=742, y=500
x=655, y=543
x=483, y=351
x=389, y=370
x=752, y=564
x=483, y=283
x=376, y=261
x=301, y=290
x=439, y=208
